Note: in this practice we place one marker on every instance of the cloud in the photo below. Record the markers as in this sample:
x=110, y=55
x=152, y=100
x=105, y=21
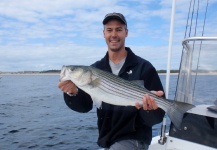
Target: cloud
x=40, y=34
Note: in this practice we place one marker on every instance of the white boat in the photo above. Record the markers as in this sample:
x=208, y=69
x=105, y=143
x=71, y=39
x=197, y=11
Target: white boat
x=199, y=125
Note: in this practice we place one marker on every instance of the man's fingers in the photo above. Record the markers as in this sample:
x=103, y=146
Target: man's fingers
x=158, y=93
x=60, y=84
x=153, y=103
x=67, y=86
x=137, y=105
x=145, y=104
x=149, y=102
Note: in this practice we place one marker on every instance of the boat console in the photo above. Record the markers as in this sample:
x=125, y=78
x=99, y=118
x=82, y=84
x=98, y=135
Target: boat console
x=199, y=126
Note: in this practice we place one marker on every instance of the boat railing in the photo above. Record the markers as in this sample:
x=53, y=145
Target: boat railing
x=198, y=58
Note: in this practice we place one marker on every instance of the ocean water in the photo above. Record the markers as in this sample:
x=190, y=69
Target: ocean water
x=33, y=115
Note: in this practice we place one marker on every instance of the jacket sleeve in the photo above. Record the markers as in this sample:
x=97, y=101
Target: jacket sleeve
x=82, y=102
x=152, y=117
x=152, y=83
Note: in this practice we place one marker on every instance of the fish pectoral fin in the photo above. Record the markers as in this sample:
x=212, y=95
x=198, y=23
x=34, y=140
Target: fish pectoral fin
x=95, y=82
x=97, y=102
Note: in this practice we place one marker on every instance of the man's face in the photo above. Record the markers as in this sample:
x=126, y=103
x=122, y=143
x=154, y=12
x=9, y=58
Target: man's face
x=115, y=33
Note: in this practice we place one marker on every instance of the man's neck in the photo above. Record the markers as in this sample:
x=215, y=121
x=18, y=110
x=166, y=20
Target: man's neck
x=116, y=57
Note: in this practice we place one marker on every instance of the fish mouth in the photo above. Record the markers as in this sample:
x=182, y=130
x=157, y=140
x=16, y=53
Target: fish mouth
x=62, y=73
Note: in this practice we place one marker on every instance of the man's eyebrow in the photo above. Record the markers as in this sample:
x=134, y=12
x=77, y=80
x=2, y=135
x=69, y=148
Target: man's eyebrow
x=114, y=28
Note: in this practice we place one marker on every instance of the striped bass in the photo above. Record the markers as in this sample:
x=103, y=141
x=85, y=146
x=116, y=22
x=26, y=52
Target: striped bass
x=109, y=88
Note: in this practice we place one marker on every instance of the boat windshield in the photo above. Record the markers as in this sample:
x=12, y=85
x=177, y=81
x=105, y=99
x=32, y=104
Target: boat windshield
x=197, y=81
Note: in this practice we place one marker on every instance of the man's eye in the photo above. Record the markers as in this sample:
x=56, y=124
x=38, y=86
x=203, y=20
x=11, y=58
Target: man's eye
x=119, y=29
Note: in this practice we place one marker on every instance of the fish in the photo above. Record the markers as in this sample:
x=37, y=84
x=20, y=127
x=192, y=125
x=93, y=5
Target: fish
x=106, y=87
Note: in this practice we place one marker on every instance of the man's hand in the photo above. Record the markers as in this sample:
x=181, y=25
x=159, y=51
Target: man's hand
x=149, y=102
x=68, y=87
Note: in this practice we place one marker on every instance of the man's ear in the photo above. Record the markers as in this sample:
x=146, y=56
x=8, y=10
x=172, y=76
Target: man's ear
x=103, y=32
x=126, y=32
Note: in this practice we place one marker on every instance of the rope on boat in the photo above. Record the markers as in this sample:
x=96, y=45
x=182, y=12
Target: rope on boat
x=192, y=7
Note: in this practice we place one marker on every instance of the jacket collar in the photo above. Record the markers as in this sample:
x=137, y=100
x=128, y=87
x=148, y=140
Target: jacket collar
x=130, y=61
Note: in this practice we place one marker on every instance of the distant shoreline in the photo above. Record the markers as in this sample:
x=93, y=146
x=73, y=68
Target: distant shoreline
x=29, y=74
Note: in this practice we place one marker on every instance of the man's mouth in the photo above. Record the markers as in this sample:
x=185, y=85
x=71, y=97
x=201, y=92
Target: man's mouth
x=114, y=41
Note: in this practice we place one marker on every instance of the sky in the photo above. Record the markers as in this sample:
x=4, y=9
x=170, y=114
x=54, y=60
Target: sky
x=38, y=35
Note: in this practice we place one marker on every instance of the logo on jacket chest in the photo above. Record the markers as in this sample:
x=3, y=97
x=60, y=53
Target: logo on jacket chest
x=129, y=72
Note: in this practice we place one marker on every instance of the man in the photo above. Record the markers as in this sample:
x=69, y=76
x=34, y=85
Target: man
x=121, y=127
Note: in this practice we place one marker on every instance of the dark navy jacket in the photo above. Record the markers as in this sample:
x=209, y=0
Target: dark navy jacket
x=123, y=122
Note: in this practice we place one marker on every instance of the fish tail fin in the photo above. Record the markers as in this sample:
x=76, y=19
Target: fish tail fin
x=176, y=112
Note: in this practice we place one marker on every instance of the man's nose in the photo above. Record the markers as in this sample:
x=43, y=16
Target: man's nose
x=114, y=33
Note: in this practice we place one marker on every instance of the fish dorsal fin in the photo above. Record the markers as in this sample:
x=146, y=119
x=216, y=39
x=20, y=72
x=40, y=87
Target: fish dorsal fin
x=215, y=102
x=140, y=83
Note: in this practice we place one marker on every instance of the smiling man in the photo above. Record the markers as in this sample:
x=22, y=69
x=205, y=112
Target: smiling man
x=121, y=127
